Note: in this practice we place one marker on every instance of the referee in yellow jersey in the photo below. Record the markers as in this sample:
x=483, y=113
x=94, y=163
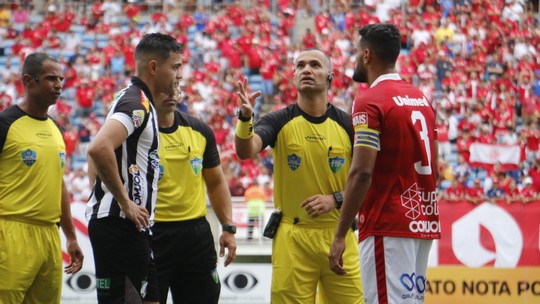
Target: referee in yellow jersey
x=312, y=148
x=183, y=244
x=33, y=196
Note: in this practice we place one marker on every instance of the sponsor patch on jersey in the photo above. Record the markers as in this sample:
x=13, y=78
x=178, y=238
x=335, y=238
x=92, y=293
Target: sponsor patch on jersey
x=314, y=137
x=133, y=169
x=360, y=119
x=196, y=165
x=138, y=117
x=29, y=157
x=161, y=172
x=294, y=161
x=145, y=102
x=62, y=156
x=154, y=159
x=43, y=134
x=336, y=163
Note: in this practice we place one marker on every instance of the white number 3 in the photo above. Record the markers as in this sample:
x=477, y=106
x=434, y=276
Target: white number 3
x=424, y=170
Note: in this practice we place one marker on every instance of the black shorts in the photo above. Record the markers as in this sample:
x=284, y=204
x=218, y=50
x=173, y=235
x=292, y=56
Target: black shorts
x=186, y=261
x=125, y=270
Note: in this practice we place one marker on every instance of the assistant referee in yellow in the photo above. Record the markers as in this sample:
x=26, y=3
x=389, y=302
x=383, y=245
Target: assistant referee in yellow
x=183, y=243
x=312, y=148
x=34, y=199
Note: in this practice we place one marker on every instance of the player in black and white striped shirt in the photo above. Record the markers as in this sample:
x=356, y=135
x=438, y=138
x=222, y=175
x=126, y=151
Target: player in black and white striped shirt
x=124, y=156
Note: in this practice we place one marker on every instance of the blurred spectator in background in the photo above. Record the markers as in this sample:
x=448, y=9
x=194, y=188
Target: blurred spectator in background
x=255, y=198
x=475, y=194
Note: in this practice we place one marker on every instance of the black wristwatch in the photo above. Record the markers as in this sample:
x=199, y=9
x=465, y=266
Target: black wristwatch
x=339, y=199
x=241, y=117
x=229, y=228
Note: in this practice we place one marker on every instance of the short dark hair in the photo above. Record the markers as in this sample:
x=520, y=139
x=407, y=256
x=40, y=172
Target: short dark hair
x=324, y=53
x=33, y=63
x=158, y=46
x=384, y=39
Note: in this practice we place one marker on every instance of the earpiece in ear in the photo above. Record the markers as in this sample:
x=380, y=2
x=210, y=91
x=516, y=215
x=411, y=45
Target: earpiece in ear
x=330, y=78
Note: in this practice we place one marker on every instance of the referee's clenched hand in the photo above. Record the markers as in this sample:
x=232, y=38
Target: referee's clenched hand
x=227, y=240
x=137, y=214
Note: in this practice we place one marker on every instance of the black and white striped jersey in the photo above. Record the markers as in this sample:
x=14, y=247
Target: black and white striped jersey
x=137, y=158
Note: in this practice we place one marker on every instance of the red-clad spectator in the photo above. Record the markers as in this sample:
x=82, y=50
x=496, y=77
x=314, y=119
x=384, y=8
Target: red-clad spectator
x=254, y=59
x=350, y=21
x=407, y=69
x=309, y=40
x=62, y=24
x=158, y=16
x=131, y=11
x=128, y=52
x=85, y=96
x=430, y=15
x=71, y=139
x=236, y=13
x=53, y=41
x=321, y=22
x=465, y=125
x=528, y=192
x=513, y=194
x=444, y=142
x=5, y=100
x=70, y=76
x=17, y=47
x=463, y=146
x=10, y=32
x=455, y=192
x=475, y=194
x=531, y=135
x=486, y=135
x=97, y=10
x=234, y=55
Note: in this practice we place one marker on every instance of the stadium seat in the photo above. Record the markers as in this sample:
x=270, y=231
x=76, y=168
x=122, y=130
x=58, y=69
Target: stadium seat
x=76, y=28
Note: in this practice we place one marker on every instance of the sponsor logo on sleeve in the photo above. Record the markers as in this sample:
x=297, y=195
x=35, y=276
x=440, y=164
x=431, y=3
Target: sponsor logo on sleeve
x=360, y=119
x=62, y=156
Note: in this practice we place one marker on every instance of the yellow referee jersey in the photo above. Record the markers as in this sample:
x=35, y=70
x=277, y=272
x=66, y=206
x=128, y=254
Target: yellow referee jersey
x=312, y=155
x=32, y=154
x=186, y=148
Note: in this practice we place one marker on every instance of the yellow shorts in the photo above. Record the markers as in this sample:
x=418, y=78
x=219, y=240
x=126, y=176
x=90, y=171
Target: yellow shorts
x=30, y=263
x=300, y=264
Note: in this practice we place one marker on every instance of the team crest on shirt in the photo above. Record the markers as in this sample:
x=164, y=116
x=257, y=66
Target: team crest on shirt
x=62, y=159
x=29, y=157
x=360, y=119
x=196, y=165
x=336, y=163
x=161, y=172
x=294, y=161
x=138, y=117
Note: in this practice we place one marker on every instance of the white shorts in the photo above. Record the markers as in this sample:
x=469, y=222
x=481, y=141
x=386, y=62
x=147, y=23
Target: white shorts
x=394, y=269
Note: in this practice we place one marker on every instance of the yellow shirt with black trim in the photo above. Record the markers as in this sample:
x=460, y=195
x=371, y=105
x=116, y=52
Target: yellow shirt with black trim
x=32, y=161
x=312, y=155
x=186, y=148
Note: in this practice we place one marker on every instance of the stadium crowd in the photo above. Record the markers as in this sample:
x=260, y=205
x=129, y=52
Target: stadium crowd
x=481, y=73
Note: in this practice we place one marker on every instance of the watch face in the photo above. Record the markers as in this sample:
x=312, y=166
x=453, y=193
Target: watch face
x=229, y=228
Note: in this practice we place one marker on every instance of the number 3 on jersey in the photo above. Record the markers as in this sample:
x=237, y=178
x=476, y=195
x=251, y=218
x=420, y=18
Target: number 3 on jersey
x=424, y=170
